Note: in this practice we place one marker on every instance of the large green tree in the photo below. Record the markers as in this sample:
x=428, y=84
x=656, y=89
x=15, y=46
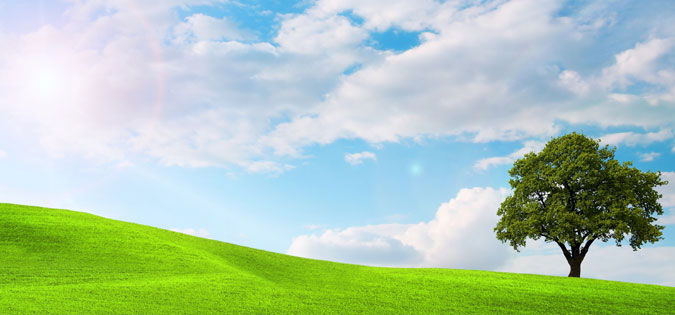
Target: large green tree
x=574, y=193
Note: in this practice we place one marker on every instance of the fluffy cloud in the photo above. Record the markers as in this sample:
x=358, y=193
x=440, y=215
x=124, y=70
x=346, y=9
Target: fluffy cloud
x=459, y=236
x=649, y=156
x=190, y=231
x=530, y=146
x=377, y=245
x=200, y=27
x=317, y=33
x=448, y=86
x=668, y=191
x=572, y=81
x=358, y=158
x=668, y=199
x=651, y=265
x=633, y=138
x=640, y=64
x=132, y=80
x=2, y=154
x=666, y=219
x=443, y=86
x=381, y=15
x=184, y=92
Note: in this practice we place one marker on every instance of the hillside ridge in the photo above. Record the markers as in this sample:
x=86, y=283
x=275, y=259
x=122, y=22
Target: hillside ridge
x=64, y=262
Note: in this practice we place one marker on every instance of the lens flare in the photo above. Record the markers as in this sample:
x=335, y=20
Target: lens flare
x=416, y=169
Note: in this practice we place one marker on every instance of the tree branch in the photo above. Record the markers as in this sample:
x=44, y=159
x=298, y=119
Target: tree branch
x=572, y=199
x=588, y=245
x=564, y=249
x=546, y=236
x=573, y=207
x=586, y=235
x=541, y=200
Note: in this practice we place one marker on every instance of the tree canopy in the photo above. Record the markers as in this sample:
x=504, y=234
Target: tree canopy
x=575, y=192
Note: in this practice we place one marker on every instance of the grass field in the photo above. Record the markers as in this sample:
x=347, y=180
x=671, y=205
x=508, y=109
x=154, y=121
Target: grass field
x=60, y=261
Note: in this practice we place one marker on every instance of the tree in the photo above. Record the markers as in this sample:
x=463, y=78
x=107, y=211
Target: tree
x=573, y=193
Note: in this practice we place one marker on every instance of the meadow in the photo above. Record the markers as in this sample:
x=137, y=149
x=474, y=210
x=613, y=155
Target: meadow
x=67, y=262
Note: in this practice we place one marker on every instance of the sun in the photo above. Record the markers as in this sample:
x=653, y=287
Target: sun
x=48, y=80
x=48, y=83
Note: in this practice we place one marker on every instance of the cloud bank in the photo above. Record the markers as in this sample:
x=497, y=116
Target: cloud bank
x=668, y=191
x=134, y=80
x=633, y=138
x=651, y=265
x=461, y=236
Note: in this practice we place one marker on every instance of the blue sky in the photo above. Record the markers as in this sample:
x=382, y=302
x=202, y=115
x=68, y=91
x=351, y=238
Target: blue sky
x=374, y=132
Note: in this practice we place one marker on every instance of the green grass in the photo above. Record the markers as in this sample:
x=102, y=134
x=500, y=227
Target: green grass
x=60, y=261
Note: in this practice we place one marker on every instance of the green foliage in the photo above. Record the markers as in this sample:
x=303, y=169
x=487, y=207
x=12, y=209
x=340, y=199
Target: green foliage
x=574, y=191
x=65, y=262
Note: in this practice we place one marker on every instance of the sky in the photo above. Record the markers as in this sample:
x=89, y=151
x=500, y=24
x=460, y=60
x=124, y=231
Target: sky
x=370, y=132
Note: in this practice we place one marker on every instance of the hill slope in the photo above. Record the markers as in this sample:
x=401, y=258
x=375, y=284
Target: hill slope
x=59, y=261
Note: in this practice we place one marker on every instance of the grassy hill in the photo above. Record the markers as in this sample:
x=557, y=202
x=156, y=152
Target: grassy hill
x=60, y=261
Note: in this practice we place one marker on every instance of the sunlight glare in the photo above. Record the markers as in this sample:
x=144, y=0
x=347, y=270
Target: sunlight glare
x=49, y=81
x=416, y=169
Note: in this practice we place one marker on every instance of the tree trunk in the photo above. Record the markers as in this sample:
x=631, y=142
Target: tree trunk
x=575, y=255
x=575, y=267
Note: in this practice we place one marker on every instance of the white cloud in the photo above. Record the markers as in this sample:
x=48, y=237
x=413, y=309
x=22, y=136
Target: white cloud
x=382, y=15
x=2, y=154
x=649, y=156
x=641, y=63
x=530, y=146
x=459, y=236
x=268, y=167
x=573, y=81
x=460, y=80
x=199, y=91
x=358, y=158
x=200, y=27
x=486, y=163
x=668, y=191
x=184, y=93
x=369, y=245
x=446, y=86
x=647, y=63
x=666, y=219
x=190, y=231
x=633, y=138
x=651, y=265
x=623, y=98
x=317, y=33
